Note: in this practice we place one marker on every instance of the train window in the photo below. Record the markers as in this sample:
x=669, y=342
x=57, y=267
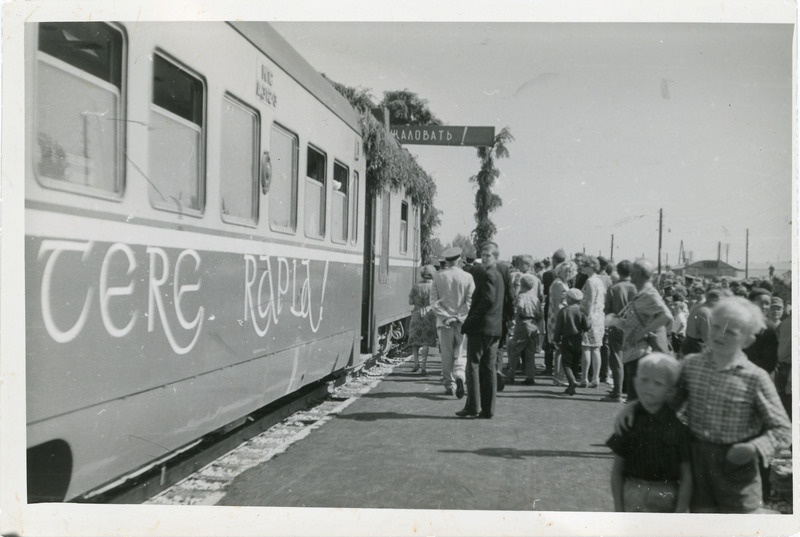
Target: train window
x=403, y=227
x=315, y=193
x=239, y=162
x=283, y=186
x=354, y=209
x=177, y=139
x=340, y=202
x=79, y=110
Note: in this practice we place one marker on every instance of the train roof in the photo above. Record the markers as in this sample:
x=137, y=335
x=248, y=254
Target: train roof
x=273, y=45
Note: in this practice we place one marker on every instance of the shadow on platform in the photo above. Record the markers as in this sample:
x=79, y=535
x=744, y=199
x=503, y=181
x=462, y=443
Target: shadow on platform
x=389, y=395
x=537, y=394
x=513, y=453
x=375, y=416
x=415, y=378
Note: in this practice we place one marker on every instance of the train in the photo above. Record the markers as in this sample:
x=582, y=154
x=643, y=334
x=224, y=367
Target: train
x=200, y=241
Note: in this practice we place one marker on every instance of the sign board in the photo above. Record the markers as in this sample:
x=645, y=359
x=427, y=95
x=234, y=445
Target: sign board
x=441, y=135
x=265, y=91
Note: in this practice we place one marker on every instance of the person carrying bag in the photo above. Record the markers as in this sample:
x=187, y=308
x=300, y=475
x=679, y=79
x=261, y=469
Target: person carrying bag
x=643, y=322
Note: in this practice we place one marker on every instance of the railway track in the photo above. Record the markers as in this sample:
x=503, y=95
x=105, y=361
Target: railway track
x=201, y=474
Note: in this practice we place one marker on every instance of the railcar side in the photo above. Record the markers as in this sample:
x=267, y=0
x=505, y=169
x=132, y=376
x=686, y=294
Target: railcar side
x=193, y=199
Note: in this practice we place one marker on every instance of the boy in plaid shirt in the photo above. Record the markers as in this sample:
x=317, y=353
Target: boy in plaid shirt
x=733, y=410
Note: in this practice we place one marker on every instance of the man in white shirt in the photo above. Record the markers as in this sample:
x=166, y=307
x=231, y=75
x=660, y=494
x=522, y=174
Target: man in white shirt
x=451, y=297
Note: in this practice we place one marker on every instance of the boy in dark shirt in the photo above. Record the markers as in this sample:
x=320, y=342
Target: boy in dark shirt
x=571, y=323
x=652, y=470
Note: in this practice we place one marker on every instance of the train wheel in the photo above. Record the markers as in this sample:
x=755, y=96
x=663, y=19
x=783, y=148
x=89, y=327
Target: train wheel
x=49, y=471
x=398, y=329
x=384, y=339
x=391, y=336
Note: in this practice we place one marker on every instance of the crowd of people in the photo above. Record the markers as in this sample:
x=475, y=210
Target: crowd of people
x=704, y=363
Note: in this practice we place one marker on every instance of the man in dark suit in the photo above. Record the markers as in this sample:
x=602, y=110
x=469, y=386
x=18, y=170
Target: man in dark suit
x=483, y=327
x=581, y=278
x=509, y=297
x=469, y=262
x=547, y=279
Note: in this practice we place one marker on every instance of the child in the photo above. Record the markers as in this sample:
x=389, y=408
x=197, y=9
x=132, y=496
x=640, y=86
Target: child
x=527, y=314
x=680, y=314
x=571, y=323
x=733, y=411
x=652, y=470
x=698, y=322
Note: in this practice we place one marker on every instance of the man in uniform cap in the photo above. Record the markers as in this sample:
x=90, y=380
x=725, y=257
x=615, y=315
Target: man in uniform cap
x=451, y=297
x=452, y=253
x=775, y=313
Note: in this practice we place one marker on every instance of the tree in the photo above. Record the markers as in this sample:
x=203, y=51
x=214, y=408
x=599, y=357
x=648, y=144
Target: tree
x=435, y=249
x=429, y=221
x=487, y=201
x=465, y=243
x=408, y=108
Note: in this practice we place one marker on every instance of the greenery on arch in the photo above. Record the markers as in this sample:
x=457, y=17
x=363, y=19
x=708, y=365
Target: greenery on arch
x=391, y=168
x=408, y=108
x=487, y=201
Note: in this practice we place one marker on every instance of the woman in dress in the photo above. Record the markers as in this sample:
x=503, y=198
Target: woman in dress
x=593, y=305
x=422, y=329
x=565, y=273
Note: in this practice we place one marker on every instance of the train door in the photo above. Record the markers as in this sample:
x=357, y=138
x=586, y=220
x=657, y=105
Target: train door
x=417, y=240
x=368, y=281
x=383, y=272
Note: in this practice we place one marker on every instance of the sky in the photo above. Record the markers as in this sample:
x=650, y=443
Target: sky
x=612, y=123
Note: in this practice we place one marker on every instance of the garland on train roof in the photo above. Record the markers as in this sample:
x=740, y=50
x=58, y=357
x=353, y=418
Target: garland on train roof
x=390, y=167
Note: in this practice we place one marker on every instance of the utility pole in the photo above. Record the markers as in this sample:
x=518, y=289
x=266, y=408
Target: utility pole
x=660, y=227
x=611, y=257
x=719, y=255
x=747, y=252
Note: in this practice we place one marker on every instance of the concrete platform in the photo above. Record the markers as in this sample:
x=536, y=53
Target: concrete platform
x=401, y=446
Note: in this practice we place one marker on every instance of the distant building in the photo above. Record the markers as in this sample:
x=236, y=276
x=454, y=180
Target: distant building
x=708, y=269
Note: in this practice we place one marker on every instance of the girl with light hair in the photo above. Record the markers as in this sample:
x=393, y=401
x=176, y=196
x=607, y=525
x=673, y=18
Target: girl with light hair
x=565, y=273
x=593, y=306
x=422, y=328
